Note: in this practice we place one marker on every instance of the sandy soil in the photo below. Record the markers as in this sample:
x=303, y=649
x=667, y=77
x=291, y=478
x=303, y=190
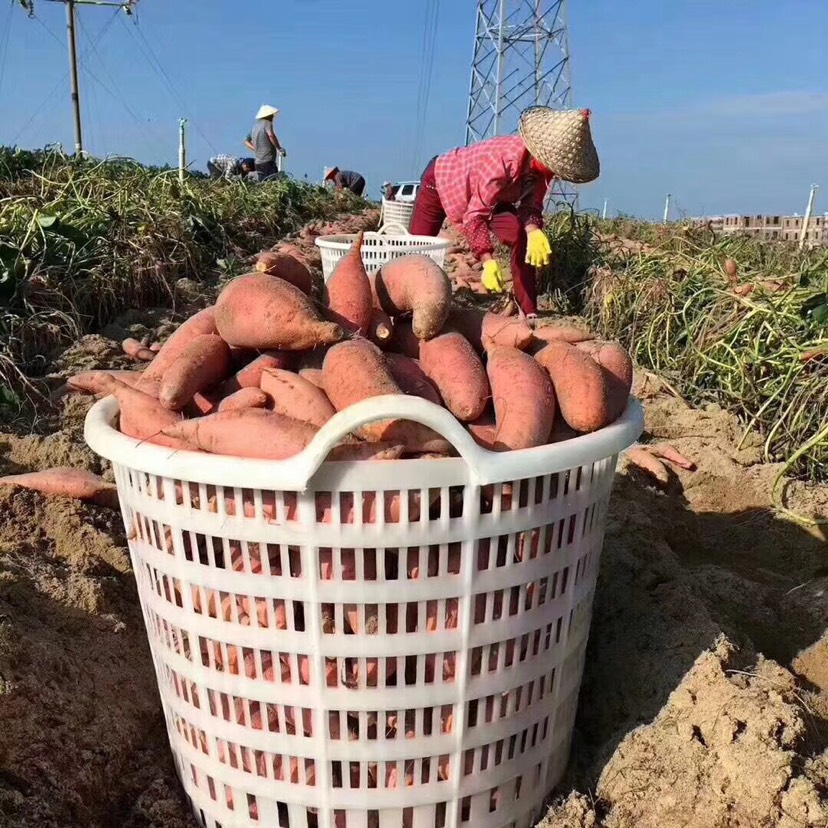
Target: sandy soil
x=705, y=695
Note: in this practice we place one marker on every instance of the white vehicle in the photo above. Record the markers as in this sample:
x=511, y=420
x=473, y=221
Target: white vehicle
x=406, y=190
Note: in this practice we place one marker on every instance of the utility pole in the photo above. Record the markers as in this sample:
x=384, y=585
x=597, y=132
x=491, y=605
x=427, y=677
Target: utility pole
x=73, y=61
x=803, y=233
x=604, y=211
x=667, y=208
x=182, y=148
x=71, y=11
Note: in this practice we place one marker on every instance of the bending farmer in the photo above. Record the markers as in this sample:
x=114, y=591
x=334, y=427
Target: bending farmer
x=499, y=186
x=263, y=142
x=230, y=168
x=346, y=180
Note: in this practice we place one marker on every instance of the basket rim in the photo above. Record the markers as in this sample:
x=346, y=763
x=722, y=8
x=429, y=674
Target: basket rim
x=343, y=241
x=476, y=465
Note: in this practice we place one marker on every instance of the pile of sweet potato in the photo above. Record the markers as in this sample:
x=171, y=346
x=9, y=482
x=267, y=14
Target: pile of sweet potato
x=261, y=371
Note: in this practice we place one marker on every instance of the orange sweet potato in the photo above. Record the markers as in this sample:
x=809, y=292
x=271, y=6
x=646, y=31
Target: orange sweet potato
x=66, y=482
x=349, y=291
x=244, y=398
x=250, y=432
x=409, y=376
x=381, y=329
x=485, y=330
x=560, y=332
x=144, y=418
x=250, y=376
x=415, y=284
x=294, y=396
x=366, y=451
x=265, y=312
x=203, y=322
x=313, y=375
x=581, y=386
x=100, y=383
x=523, y=397
x=356, y=370
x=286, y=267
x=202, y=364
x=618, y=366
x=450, y=362
x=484, y=431
x=133, y=348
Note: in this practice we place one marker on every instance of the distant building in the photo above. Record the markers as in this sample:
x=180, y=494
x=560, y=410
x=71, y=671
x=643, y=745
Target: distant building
x=770, y=228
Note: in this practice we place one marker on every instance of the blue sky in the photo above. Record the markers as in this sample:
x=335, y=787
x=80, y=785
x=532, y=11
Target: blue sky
x=724, y=105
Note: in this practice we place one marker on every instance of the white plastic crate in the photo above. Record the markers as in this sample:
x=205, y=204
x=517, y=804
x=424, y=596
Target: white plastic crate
x=396, y=215
x=413, y=665
x=379, y=248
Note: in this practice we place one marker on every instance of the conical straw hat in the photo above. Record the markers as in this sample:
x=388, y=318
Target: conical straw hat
x=266, y=111
x=562, y=141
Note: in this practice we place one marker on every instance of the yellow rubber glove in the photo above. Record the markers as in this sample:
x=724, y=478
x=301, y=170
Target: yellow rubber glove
x=538, y=251
x=492, y=276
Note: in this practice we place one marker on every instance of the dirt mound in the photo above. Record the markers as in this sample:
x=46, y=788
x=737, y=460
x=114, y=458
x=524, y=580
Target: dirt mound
x=681, y=721
x=728, y=748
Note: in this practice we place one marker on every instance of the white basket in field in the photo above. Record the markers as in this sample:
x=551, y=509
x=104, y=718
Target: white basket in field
x=379, y=248
x=396, y=214
x=410, y=666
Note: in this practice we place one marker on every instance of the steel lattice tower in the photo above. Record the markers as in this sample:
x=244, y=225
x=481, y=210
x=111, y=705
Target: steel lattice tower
x=521, y=59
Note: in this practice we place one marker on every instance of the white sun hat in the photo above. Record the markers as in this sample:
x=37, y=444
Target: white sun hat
x=266, y=111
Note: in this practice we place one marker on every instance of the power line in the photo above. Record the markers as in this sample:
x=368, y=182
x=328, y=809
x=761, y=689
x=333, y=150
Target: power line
x=426, y=73
x=152, y=58
x=4, y=43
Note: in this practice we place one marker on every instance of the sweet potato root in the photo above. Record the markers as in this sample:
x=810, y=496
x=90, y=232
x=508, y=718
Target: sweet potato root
x=581, y=386
x=265, y=312
x=100, y=383
x=135, y=349
x=202, y=364
x=450, y=362
x=523, y=397
x=415, y=284
x=313, y=375
x=144, y=418
x=64, y=481
x=251, y=375
x=296, y=397
x=286, y=267
x=244, y=398
x=203, y=322
x=616, y=362
x=380, y=329
x=485, y=330
x=408, y=374
x=356, y=370
x=349, y=292
x=250, y=432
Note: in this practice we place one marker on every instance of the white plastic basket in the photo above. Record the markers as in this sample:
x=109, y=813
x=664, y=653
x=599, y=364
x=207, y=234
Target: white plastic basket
x=396, y=214
x=468, y=724
x=379, y=248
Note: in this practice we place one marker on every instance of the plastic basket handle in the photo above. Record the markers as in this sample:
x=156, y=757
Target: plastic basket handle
x=395, y=227
x=388, y=407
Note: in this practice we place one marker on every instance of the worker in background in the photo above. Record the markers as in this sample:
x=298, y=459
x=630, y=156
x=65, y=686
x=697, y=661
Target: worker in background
x=264, y=144
x=230, y=168
x=346, y=180
x=498, y=187
x=388, y=190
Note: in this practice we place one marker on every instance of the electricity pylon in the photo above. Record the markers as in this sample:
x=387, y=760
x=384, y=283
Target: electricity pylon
x=521, y=59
